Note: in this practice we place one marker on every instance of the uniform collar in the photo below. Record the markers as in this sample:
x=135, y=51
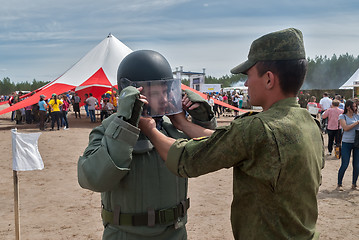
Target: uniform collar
x=287, y=102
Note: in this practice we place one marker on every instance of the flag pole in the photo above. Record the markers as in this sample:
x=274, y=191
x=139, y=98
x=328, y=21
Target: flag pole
x=16, y=205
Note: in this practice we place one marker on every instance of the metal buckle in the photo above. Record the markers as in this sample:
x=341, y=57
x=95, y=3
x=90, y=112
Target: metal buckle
x=168, y=215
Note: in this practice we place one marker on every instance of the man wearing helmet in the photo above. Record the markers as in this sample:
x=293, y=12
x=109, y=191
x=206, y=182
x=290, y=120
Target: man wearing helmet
x=141, y=198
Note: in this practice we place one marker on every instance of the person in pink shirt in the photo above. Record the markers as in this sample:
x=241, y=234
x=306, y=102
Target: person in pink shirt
x=333, y=128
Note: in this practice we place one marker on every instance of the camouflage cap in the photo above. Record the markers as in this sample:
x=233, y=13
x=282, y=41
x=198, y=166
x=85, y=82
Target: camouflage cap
x=286, y=44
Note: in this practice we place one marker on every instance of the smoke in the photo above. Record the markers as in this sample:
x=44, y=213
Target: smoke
x=238, y=84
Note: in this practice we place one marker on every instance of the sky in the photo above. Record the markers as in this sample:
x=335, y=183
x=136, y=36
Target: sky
x=41, y=39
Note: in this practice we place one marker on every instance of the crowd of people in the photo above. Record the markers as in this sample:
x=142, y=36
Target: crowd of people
x=339, y=120
x=55, y=109
x=234, y=98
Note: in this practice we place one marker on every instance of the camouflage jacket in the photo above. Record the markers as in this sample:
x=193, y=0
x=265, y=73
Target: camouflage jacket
x=277, y=157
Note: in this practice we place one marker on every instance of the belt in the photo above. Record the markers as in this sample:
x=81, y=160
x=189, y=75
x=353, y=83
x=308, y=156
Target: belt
x=152, y=217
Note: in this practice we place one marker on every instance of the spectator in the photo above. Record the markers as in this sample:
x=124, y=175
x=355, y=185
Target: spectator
x=42, y=111
x=19, y=113
x=104, y=108
x=313, y=107
x=235, y=101
x=54, y=105
x=240, y=100
x=86, y=106
x=221, y=108
x=334, y=128
x=210, y=100
x=349, y=121
x=325, y=102
x=92, y=102
x=11, y=102
x=341, y=103
x=216, y=106
x=65, y=110
x=76, y=104
x=28, y=117
x=225, y=100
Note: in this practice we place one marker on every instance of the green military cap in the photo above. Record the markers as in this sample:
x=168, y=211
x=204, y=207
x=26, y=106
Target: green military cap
x=286, y=44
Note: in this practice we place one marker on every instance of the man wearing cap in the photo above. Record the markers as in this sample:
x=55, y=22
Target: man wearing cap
x=276, y=155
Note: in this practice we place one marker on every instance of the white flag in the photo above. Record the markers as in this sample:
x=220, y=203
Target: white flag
x=25, y=152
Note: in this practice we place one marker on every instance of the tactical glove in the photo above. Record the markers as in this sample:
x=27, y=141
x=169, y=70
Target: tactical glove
x=129, y=105
x=202, y=113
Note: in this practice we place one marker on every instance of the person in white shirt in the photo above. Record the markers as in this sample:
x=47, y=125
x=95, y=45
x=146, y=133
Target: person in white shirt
x=92, y=103
x=210, y=100
x=325, y=104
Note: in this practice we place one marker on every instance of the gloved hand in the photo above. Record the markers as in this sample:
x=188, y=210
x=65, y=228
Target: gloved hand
x=129, y=105
x=204, y=112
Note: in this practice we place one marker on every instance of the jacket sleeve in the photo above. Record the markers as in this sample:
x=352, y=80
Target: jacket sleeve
x=108, y=156
x=210, y=124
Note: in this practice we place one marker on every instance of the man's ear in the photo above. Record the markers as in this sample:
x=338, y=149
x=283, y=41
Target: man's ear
x=270, y=79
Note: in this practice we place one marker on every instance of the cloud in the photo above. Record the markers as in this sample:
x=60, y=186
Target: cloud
x=43, y=38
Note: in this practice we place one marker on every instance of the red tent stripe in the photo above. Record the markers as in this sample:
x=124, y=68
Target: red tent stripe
x=184, y=87
x=57, y=88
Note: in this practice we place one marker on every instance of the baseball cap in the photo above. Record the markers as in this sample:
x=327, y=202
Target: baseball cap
x=53, y=95
x=286, y=44
x=43, y=96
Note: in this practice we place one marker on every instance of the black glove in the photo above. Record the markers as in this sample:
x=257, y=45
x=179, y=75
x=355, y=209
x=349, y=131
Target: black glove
x=204, y=112
x=130, y=105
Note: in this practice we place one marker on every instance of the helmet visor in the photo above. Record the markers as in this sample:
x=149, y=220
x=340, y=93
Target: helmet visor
x=164, y=97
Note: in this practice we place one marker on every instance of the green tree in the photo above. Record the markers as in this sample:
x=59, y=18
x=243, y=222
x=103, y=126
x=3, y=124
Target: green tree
x=7, y=87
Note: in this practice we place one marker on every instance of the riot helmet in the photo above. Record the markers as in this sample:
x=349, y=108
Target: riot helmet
x=150, y=70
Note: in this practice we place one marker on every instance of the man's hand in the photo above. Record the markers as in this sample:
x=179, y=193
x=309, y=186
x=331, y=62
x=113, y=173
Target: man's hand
x=188, y=104
x=147, y=124
x=161, y=142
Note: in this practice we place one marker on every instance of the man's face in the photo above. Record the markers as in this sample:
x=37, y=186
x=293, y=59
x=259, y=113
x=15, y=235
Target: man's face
x=157, y=98
x=255, y=86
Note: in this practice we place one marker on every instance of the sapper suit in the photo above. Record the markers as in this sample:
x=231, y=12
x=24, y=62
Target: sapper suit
x=141, y=198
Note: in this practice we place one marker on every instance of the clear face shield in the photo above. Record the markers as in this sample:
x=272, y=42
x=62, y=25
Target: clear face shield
x=164, y=96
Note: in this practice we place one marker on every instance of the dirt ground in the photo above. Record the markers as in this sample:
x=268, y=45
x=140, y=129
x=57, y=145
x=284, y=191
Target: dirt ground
x=54, y=206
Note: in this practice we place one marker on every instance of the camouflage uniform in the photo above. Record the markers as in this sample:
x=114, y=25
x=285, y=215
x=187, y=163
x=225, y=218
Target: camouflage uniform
x=122, y=164
x=276, y=162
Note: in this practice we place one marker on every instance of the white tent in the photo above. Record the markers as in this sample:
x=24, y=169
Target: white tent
x=352, y=82
x=96, y=72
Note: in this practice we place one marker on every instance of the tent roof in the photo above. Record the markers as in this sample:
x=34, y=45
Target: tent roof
x=106, y=55
x=95, y=72
x=353, y=81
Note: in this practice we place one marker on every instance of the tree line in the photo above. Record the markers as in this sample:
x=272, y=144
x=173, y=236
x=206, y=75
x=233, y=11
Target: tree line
x=323, y=73
x=7, y=87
